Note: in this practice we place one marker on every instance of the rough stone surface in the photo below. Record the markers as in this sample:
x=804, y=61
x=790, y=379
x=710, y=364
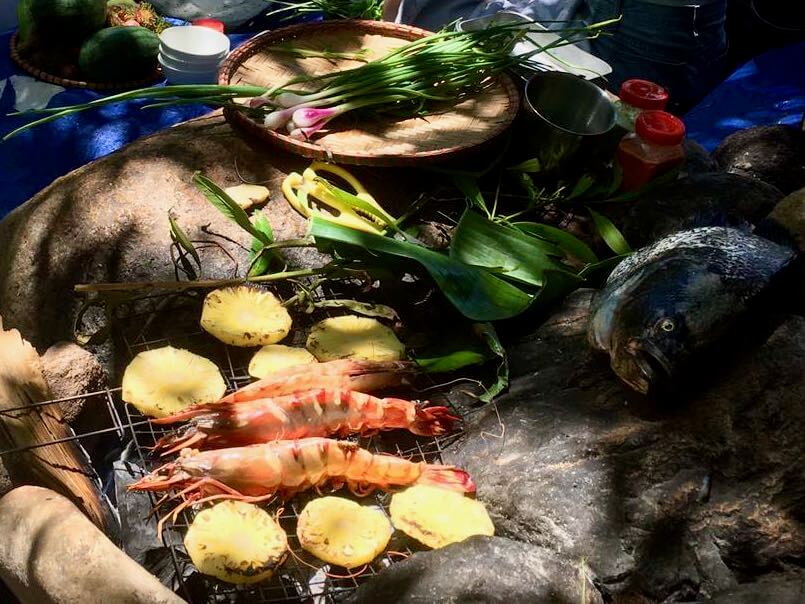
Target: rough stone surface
x=714, y=199
x=485, y=570
x=782, y=588
x=70, y=371
x=231, y=12
x=670, y=504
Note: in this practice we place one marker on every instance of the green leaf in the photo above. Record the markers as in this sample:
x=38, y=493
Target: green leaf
x=582, y=185
x=610, y=233
x=451, y=361
x=475, y=293
x=470, y=189
x=183, y=242
x=530, y=165
x=513, y=254
x=487, y=333
x=571, y=244
x=226, y=205
x=596, y=274
x=259, y=258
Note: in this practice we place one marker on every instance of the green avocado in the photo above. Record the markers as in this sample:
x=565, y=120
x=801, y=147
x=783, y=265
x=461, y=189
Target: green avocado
x=118, y=54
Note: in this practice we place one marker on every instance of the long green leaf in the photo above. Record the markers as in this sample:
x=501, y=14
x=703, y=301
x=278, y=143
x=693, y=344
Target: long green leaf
x=510, y=253
x=568, y=242
x=182, y=239
x=476, y=293
x=260, y=259
x=227, y=206
x=487, y=333
x=610, y=233
x=529, y=166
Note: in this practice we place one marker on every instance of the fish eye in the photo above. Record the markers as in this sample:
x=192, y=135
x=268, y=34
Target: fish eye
x=667, y=325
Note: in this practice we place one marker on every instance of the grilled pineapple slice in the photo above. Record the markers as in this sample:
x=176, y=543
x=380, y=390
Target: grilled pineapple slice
x=276, y=357
x=245, y=316
x=438, y=517
x=236, y=542
x=342, y=532
x=351, y=337
x=163, y=381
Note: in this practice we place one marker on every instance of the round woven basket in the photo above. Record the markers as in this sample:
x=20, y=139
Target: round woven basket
x=40, y=74
x=381, y=141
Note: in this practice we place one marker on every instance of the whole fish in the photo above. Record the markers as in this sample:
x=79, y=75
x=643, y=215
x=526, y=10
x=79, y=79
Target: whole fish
x=669, y=302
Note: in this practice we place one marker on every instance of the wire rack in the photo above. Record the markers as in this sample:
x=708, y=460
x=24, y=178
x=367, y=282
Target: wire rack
x=301, y=578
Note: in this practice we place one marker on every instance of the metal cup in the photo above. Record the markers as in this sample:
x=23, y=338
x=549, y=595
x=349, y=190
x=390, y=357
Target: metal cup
x=567, y=118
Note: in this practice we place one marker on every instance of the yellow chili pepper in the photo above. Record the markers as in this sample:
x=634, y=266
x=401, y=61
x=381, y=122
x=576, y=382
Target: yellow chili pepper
x=299, y=188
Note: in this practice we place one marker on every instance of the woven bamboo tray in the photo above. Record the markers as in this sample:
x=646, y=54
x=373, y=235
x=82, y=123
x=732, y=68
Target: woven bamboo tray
x=43, y=75
x=382, y=141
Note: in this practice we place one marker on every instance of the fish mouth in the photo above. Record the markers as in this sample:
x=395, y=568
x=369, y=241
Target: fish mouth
x=654, y=366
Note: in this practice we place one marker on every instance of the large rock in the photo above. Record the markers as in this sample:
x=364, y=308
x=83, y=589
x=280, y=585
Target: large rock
x=488, y=570
x=714, y=199
x=675, y=505
x=108, y=221
x=231, y=12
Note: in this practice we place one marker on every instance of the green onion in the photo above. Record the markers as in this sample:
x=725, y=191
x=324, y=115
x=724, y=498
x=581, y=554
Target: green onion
x=333, y=9
x=444, y=67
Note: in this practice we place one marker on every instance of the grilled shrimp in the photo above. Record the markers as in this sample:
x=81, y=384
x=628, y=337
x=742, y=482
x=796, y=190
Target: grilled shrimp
x=289, y=466
x=345, y=374
x=319, y=412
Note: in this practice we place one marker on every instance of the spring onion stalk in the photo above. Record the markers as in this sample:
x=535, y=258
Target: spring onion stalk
x=332, y=9
x=444, y=67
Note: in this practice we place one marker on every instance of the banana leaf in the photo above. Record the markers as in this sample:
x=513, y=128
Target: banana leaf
x=476, y=293
x=506, y=251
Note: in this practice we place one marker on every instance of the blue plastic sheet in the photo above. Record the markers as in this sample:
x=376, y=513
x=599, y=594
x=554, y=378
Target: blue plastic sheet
x=770, y=89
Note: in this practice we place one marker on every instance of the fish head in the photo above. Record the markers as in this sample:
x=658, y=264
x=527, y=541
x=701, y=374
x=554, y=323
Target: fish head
x=645, y=326
x=647, y=357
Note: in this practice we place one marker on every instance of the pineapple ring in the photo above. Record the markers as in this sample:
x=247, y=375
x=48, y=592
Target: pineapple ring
x=351, y=337
x=342, y=532
x=164, y=381
x=438, y=517
x=245, y=316
x=276, y=357
x=236, y=542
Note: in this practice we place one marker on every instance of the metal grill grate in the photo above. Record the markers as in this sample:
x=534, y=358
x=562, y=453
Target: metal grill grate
x=301, y=578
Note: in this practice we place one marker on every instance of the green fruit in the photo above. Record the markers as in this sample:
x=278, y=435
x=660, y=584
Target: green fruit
x=25, y=22
x=119, y=54
x=67, y=19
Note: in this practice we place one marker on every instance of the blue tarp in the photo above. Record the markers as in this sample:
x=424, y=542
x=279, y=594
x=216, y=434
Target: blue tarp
x=770, y=89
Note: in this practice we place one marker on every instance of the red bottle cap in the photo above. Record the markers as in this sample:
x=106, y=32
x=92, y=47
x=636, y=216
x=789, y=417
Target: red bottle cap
x=210, y=23
x=660, y=128
x=643, y=94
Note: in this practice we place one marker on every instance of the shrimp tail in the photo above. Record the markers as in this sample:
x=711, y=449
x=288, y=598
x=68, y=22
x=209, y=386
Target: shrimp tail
x=447, y=477
x=433, y=421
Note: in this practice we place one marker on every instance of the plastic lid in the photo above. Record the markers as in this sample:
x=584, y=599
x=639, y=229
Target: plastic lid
x=210, y=23
x=660, y=128
x=643, y=94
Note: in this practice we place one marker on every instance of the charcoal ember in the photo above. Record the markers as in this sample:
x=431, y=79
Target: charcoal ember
x=671, y=504
x=715, y=199
x=482, y=569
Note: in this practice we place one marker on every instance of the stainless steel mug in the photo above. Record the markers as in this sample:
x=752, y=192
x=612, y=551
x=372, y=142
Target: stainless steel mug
x=567, y=118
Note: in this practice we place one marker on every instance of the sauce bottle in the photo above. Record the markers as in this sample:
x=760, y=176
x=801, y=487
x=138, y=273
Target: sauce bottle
x=635, y=97
x=653, y=149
